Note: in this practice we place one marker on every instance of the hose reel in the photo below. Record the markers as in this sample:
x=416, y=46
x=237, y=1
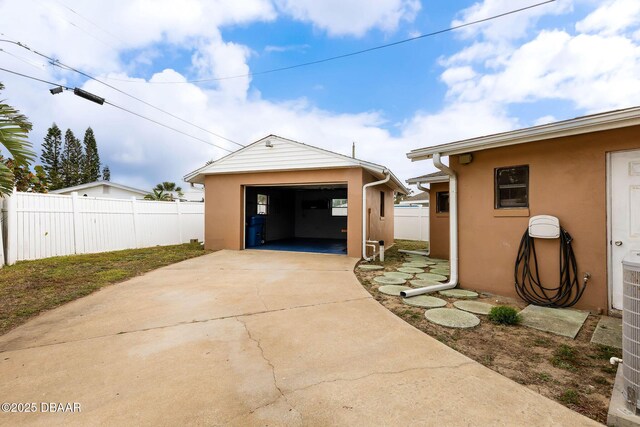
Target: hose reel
x=527, y=279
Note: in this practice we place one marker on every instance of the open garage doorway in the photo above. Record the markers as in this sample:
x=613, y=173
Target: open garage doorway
x=298, y=218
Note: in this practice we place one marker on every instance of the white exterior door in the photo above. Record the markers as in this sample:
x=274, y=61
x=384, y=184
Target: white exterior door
x=625, y=215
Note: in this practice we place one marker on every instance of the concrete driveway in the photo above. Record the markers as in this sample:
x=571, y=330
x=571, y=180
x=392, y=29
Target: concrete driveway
x=251, y=338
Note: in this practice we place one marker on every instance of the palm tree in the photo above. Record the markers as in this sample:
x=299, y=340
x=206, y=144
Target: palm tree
x=14, y=128
x=169, y=187
x=158, y=195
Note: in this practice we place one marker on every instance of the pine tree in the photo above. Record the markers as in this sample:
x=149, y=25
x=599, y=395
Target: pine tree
x=72, y=160
x=91, y=166
x=51, y=157
x=106, y=173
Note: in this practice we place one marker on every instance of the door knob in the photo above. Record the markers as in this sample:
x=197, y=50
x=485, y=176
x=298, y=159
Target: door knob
x=618, y=243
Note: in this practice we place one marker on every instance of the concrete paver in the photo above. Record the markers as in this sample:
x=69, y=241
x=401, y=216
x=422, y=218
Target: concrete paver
x=608, y=332
x=251, y=338
x=560, y=321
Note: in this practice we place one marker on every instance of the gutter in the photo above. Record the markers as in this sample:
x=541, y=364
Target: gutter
x=453, y=235
x=364, y=212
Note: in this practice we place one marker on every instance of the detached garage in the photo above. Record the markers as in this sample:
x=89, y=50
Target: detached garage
x=280, y=194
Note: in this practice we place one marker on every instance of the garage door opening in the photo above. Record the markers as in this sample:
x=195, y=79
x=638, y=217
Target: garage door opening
x=310, y=218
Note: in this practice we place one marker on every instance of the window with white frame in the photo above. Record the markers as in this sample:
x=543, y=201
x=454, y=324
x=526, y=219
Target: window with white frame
x=263, y=204
x=338, y=207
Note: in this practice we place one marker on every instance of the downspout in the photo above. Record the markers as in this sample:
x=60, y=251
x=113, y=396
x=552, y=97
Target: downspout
x=453, y=234
x=364, y=211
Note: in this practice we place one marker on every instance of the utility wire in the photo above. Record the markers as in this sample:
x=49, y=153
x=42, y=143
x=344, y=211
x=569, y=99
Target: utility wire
x=91, y=22
x=120, y=108
x=166, y=126
x=59, y=64
x=36, y=79
x=347, y=55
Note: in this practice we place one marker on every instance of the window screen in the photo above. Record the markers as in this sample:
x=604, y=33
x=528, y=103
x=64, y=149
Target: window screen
x=512, y=187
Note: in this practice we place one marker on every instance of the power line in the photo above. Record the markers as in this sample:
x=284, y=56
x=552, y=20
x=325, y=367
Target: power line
x=91, y=22
x=166, y=126
x=346, y=55
x=36, y=79
x=59, y=64
x=120, y=108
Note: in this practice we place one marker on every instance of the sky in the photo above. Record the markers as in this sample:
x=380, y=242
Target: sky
x=557, y=61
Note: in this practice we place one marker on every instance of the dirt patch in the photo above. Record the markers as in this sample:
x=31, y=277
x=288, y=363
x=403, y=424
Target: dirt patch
x=575, y=373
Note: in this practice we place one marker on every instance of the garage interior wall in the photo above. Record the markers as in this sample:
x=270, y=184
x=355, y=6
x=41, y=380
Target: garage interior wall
x=567, y=179
x=292, y=212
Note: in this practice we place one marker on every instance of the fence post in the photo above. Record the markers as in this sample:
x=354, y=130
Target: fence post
x=76, y=222
x=134, y=216
x=179, y=210
x=12, y=228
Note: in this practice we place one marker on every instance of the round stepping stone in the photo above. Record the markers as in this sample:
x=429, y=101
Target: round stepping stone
x=368, y=267
x=440, y=271
x=459, y=293
x=426, y=301
x=384, y=280
x=421, y=283
x=452, y=318
x=476, y=307
x=392, y=289
x=431, y=276
x=417, y=264
x=398, y=275
x=411, y=270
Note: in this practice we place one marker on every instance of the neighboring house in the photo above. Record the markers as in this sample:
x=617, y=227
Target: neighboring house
x=281, y=194
x=420, y=199
x=103, y=189
x=192, y=193
x=584, y=171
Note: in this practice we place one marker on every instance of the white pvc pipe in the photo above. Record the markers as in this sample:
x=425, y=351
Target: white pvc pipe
x=364, y=211
x=453, y=234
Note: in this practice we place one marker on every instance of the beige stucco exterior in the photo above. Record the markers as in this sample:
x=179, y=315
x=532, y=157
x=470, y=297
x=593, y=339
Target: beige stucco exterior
x=224, y=204
x=567, y=179
x=438, y=224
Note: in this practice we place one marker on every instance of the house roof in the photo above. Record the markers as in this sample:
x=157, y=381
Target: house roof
x=420, y=197
x=580, y=125
x=96, y=184
x=429, y=178
x=273, y=153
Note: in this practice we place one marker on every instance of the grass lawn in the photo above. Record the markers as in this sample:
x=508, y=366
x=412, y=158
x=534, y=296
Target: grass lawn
x=31, y=287
x=575, y=373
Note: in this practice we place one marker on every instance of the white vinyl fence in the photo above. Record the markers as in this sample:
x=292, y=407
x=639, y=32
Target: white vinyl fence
x=411, y=222
x=38, y=226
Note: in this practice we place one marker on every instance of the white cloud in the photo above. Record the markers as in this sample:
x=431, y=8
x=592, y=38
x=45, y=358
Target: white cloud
x=351, y=17
x=612, y=17
x=510, y=27
x=544, y=120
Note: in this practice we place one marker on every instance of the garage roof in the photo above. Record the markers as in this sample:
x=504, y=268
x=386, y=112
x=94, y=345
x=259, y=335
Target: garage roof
x=274, y=153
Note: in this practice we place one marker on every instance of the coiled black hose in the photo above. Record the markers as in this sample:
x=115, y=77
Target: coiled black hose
x=527, y=279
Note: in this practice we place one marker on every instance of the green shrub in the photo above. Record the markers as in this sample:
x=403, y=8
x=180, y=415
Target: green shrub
x=570, y=396
x=504, y=315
